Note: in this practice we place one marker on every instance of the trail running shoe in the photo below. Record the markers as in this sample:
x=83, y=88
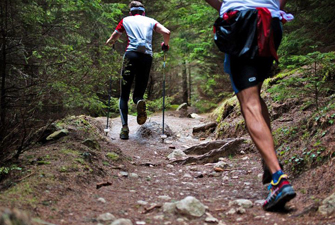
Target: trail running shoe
x=141, y=112
x=280, y=193
x=267, y=176
x=124, y=134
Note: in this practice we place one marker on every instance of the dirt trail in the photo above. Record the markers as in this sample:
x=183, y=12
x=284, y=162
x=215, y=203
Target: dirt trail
x=159, y=182
x=144, y=179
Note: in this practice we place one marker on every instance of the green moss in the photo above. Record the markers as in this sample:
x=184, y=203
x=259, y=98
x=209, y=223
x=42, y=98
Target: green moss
x=63, y=169
x=81, y=161
x=174, y=107
x=113, y=156
x=70, y=152
x=224, y=107
x=22, y=193
x=43, y=163
x=240, y=124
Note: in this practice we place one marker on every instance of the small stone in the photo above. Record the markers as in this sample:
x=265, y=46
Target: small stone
x=211, y=219
x=239, y=219
x=106, y=217
x=187, y=175
x=140, y=202
x=258, y=217
x=221, y=164
x=221, y=223
x=164, y=197
x=123, y=174
x=190, y=206
x=102, y=200
x=231, y=211
x=140, y=223
x=241, y=202
x=177, y=154
x=169, y=166
x=240, y=210
x=245, y=158
x=133, y=175
x=225, y=178
x=159, y=217
x=122, y=222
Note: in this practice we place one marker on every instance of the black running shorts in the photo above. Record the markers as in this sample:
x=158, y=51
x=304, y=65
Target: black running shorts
x=244, y=72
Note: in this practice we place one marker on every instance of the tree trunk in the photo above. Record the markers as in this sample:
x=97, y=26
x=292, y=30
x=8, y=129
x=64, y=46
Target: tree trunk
x=3, y=63
x=189, y=85
x=185, y=86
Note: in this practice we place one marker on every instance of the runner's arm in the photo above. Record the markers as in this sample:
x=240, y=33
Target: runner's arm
x=113, y=38
x=164, y=31
x=216, y=4
x=282, y=4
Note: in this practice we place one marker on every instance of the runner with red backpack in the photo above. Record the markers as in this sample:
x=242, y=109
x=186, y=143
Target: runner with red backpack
x=137, y=60
x=249, y=32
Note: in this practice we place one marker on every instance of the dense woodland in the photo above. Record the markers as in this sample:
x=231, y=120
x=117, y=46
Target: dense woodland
x=54, y=61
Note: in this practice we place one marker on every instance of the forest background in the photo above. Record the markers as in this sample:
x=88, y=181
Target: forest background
x=54, y=61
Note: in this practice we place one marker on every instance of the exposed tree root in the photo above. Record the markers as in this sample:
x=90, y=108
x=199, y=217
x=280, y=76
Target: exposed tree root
x=231, y=147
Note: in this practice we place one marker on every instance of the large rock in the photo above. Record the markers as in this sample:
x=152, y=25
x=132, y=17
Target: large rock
x=92, y=144
x=14, y=216
x=190, y=207
x=177, y=154
x=106, y=217
x=328, y=205
x=153, y=130
x=57, y=135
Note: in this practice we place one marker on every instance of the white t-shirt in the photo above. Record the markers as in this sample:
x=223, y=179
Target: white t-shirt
x=139, y=29
x=272, y=5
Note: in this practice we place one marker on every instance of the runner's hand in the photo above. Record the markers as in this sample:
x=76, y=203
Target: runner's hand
x=165, y=48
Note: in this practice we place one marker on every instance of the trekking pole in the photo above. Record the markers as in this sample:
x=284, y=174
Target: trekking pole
x=109, y=100
x=106, y=130
x=163, y=136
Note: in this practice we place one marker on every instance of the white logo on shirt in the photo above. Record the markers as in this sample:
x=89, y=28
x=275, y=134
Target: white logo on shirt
x=252, y=79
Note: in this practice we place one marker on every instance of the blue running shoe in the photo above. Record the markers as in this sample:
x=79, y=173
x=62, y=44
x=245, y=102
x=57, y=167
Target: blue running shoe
x=280, y=193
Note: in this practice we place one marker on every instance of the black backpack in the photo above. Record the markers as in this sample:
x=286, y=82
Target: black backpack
x=237, y=36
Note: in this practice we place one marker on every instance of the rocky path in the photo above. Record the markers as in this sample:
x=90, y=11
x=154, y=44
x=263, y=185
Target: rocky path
x=88, y=178
x=151, y=190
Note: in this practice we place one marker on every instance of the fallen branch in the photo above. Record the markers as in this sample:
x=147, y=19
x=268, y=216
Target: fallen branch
x=204, y=128
x=147, y=210
x=103, y=184
x=25, y=177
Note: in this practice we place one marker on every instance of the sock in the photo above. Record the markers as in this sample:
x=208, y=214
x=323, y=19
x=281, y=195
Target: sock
x=276, y=175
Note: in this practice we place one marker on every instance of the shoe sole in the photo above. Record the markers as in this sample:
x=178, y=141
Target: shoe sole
x=287, y=195
x=141, y=112
x=124, y=138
